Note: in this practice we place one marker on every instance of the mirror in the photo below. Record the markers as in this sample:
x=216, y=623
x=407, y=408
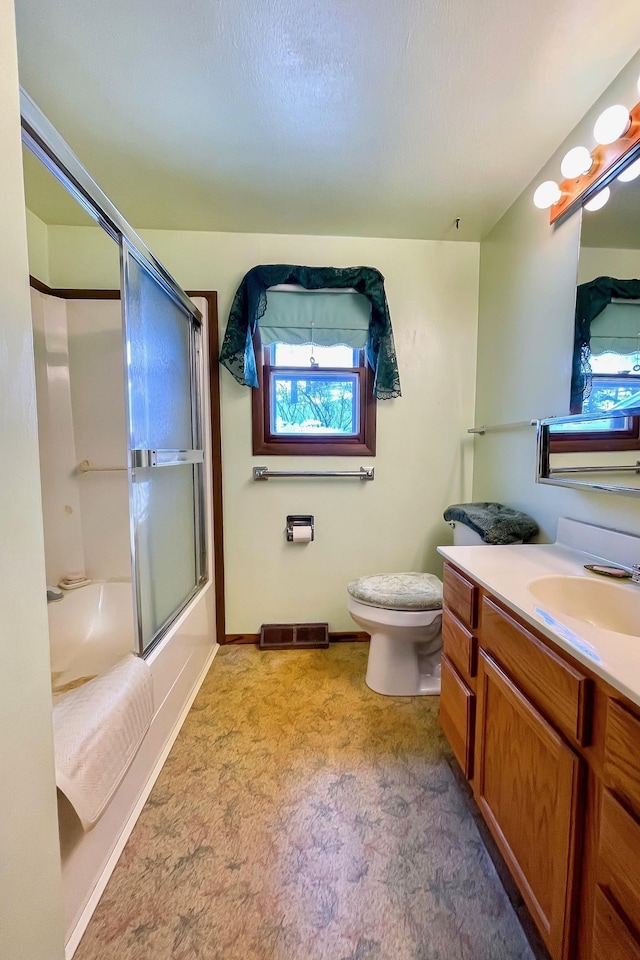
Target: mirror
x=606, y=357
x=614, y=466
x=599, y=447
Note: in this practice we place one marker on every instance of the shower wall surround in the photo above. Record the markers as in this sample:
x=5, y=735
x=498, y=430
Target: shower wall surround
x=80, y=389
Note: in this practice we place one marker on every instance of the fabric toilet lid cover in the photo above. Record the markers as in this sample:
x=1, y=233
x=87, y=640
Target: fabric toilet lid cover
x=398, y=591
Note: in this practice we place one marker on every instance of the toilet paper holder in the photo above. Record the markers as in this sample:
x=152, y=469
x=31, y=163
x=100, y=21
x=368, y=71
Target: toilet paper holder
x=299, y=520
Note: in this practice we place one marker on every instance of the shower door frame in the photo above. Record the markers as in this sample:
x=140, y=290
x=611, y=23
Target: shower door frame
x=165, y=459
x=44, y=141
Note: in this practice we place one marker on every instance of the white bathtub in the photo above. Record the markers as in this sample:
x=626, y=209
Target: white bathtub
x=90, y=630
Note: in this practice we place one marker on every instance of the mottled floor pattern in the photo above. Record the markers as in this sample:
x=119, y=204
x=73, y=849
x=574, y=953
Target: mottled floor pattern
x=300, y=816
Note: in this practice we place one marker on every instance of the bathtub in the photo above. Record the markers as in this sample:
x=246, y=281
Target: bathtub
x=90, y=630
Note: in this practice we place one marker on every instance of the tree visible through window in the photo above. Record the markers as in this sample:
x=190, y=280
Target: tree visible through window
x=314, y=399
x=615, y=389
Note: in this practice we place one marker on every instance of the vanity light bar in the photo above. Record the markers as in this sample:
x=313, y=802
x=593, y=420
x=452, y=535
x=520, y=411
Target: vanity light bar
x=587, y=173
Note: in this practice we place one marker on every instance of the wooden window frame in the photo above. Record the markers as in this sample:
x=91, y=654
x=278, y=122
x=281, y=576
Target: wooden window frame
x=363, y=444
x=569, y=442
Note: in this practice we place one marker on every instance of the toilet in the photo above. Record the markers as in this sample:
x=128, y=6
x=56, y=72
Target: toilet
x=402, y=613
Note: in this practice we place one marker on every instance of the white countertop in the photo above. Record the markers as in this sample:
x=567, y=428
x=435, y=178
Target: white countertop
x=505, y=571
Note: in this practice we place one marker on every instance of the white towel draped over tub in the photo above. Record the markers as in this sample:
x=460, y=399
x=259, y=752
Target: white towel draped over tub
x=97, y=730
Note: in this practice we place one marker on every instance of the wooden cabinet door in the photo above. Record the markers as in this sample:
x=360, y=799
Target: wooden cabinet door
x=527, y=786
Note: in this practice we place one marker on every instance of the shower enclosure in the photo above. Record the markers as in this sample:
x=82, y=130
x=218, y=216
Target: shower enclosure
x=168, y=615
x=164, y=395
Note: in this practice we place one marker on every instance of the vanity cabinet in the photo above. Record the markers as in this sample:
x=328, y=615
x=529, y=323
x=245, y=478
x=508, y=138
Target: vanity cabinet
x=459, y=667
x=552, y=753
x=527, y=788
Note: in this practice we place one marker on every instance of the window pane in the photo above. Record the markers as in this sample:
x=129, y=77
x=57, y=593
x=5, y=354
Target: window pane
x=314, y=405
x=299, y=355
x=607, y=394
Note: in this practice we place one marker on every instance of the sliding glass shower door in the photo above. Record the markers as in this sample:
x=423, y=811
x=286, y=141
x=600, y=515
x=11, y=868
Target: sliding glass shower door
x=164, y=376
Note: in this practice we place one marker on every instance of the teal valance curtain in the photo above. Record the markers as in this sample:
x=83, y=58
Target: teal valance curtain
x=325, y=319
x=591, y=300
x=616, y=329
x=250, y=304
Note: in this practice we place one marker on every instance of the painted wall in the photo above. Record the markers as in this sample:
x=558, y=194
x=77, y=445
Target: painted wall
x=38, y=246
x=423, y=463
x=30, y=888
x=608, y=262
x=528, y=274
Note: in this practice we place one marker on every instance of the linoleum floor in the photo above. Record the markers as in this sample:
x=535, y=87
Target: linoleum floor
x=299, y=816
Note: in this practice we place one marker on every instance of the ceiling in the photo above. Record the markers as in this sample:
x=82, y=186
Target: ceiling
x=345, y=117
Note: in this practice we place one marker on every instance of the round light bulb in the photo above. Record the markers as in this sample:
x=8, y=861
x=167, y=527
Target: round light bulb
x=598, y=202
x=612, y=124
x=576, y=162
x=631, y=172
x=547, y=194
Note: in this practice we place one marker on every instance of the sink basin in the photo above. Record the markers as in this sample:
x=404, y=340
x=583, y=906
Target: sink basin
x=610, y=606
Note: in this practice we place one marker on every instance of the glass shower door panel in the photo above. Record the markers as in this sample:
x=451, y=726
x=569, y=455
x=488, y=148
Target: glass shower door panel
x=165, y=555
x=164, y=428
x=159, y=364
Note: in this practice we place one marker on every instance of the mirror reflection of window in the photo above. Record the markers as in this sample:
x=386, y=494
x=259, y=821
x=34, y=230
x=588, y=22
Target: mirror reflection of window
x=610, y=247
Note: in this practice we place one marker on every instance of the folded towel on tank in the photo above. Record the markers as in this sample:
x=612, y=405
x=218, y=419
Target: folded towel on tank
x=494, y=522
x=97, y=730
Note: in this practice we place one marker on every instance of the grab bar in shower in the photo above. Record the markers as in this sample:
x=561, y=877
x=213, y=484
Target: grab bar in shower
x=85, y=466
x=263, y=473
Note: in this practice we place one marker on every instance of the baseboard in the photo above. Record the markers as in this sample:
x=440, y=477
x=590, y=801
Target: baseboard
x=72, y=943
x=334, y=637
x=354, y=636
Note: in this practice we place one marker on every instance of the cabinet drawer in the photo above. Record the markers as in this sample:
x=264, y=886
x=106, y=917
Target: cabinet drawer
x=612, y=938
x=459, y=645
x=619, y=856
x=561, y=692
x=622, y=753
x=460, y=596
x=457, y=716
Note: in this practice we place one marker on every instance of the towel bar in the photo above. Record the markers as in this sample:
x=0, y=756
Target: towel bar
x=263, y=473
x=502, y=426
x=599, y=469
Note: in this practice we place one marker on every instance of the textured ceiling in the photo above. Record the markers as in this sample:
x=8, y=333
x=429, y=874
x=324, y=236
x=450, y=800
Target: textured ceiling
x=350, y=117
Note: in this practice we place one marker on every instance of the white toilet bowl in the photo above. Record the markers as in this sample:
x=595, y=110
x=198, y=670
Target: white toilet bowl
x=406, y=644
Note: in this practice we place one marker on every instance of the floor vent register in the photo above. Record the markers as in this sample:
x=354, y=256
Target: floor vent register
x=294, y=636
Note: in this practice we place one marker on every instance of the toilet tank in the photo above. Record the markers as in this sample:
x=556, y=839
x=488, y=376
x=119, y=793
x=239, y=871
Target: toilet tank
x=464, y=536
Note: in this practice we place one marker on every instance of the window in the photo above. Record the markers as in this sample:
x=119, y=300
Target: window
x=313, y=400
x=615, y=387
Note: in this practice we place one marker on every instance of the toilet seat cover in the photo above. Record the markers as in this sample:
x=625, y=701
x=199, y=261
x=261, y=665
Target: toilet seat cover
x=398, y=591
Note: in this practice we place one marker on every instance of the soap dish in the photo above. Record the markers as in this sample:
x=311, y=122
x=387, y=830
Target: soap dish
x=74, y=584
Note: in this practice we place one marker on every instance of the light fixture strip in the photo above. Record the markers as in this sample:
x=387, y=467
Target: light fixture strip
x=607, y=159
